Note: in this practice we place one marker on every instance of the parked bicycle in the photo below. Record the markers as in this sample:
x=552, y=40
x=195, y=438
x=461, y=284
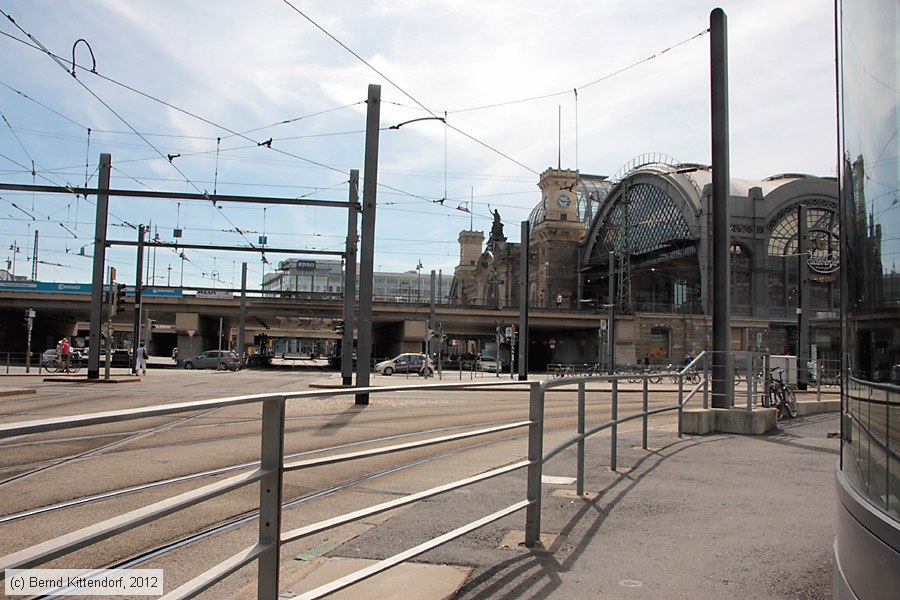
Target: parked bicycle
x=56, y=365
x=674, y=374
x=779, y=396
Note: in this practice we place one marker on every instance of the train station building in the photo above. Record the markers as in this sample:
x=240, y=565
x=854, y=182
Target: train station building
x=649, y=228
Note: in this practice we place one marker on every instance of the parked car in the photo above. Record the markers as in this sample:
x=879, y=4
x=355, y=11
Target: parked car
x=213, y=359
x=410, y=362
x=488, y=364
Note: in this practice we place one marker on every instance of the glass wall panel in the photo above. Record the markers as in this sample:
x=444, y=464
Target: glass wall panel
x=870, y=247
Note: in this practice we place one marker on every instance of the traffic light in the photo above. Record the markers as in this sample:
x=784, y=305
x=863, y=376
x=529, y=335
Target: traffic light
x=118, y=298
x=339, y=327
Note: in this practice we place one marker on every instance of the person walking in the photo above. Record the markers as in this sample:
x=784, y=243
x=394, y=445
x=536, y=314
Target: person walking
x=140, y=360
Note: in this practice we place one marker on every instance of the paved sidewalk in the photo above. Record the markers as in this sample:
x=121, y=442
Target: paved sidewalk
x=713, y=517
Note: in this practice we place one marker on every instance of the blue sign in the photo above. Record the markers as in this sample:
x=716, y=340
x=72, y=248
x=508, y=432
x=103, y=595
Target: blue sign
x=76, y=288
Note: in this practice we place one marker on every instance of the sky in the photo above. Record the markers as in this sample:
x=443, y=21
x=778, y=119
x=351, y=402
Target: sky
x=213, y=81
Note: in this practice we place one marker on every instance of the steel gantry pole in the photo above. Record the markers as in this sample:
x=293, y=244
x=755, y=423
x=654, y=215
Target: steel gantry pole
x=524, y=283
x=803, y=298
x=242, y=316
x=350, y=281
x=611, y=324
x=367, y=250
x=138, y=286
x=99, y=261
x=723, y=380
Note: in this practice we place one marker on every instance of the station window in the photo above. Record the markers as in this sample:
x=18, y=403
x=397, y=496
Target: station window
x=660, y=342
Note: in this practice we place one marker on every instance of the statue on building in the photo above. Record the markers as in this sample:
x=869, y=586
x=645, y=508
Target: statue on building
x=497, y=228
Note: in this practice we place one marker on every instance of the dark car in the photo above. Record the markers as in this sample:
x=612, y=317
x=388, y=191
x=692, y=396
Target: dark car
x=213, y=359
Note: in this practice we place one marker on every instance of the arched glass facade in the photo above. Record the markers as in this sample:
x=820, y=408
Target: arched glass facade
x=643, y=219
x=867, y=545
x=822, y=257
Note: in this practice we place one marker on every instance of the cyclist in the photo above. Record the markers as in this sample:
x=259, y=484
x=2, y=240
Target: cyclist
x=64, y=350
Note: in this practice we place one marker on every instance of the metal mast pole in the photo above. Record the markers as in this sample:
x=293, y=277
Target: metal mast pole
x=611, y=325
x=350, y=281
x=93, y=371
x=138, y=283
x=34, y=257
x=723, y=381
x=803, y=300
x=367, y=252
x=430, y=327
x=524, y=284
x=242, y=318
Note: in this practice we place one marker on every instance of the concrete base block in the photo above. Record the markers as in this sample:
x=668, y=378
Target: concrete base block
x=728, y=420
x=697, y=420
x=743, y=421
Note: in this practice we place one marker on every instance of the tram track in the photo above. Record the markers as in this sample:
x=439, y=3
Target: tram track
x=384, y=414
x=105, y=447
x=549, y=417
x=560, y=415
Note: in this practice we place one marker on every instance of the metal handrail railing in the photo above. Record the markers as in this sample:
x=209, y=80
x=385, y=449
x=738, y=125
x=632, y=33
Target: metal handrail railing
x=266, y=551
x=537, y=456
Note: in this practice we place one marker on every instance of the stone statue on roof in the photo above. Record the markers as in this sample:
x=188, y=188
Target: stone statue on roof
x=497, y=228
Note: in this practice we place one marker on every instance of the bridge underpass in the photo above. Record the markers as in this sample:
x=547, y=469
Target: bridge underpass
x=397, y=327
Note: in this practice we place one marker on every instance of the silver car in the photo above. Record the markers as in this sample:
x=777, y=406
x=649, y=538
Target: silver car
x=488, y=364
x=410, y=362
x=213, y=359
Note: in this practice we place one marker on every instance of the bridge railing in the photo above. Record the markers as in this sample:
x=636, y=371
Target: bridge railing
x=266, y=552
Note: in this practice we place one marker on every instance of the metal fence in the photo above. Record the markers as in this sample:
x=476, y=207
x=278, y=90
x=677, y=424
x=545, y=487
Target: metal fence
x=266, y=551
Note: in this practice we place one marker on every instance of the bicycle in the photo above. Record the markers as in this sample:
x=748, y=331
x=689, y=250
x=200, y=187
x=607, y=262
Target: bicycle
x=56, y=365
x=779, y=396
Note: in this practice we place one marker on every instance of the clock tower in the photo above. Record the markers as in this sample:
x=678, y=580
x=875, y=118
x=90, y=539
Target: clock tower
x=558, y=193
x=555, y=238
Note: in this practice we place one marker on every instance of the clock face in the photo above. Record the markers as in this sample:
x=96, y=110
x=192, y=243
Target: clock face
x=546, y=202
x=563, y=201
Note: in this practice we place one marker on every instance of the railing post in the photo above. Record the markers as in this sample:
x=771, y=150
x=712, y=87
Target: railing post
x=749, y=381
x=614, y=430
x=271, y=460
x=535, y=464
x=681, y=404
x=580, y=466
x=818, y=382
x=646, y=418
x=706, y=381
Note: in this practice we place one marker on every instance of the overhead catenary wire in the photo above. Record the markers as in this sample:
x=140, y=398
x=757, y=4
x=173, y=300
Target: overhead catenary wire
x=233, y=133
x=583, y=86
x=403, y=91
